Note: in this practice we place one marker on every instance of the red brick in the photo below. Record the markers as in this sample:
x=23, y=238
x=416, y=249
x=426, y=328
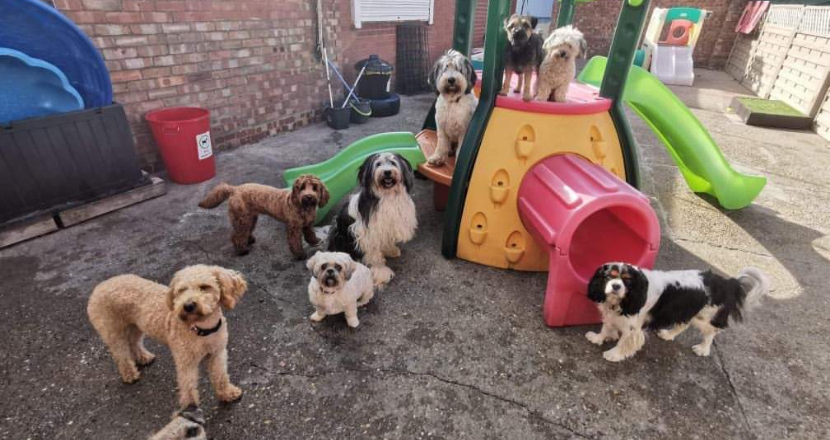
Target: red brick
x=125, y=75
x=101, y=5
x=123, y=17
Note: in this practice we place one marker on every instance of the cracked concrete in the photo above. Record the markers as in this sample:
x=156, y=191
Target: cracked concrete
x=450, y=350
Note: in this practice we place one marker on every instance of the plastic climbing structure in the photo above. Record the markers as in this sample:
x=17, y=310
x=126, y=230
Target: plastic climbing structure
x=545, y=186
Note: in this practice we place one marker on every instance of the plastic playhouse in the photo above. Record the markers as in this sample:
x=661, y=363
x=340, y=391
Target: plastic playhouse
x=544, y=186
x=670, y=58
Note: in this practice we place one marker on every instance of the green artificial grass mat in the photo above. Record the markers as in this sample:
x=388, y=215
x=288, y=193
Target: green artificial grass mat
x=770, y=107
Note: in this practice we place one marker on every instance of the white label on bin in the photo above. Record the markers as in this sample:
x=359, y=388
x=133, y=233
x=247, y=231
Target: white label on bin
x=203, y=145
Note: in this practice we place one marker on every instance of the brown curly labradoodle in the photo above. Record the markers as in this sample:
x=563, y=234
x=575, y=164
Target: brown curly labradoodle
x=186, y=316
x=296, y=207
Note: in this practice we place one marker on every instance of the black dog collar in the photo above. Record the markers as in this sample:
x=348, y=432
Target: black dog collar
x=206, y=332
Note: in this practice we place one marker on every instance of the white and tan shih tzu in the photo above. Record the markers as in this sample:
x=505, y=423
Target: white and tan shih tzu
x=379, y=216
x=558, y=68
x=632, y=299
x=338, y=285
x=453, y=77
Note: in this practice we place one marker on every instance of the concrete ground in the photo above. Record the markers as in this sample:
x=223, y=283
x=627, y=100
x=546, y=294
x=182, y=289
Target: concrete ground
x=450, y=350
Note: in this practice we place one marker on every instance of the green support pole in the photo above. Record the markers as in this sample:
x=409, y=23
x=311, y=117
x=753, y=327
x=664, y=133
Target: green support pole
x=566, y=13
x=623, y=47
x=495, y=42
x=462, y=33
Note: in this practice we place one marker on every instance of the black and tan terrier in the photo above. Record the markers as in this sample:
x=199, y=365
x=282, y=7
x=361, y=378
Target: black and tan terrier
x=523, y=54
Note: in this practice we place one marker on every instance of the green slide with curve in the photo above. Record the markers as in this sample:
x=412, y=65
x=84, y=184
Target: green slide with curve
x=690, y=145
x=340, y=172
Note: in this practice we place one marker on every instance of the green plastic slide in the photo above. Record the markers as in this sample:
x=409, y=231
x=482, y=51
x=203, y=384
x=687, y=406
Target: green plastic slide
x=690, y=145
x=340, y=172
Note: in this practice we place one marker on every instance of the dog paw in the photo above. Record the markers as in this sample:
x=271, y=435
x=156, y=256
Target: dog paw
x=701, y=350
x=666, y=335
x=382, y=275
x=613, y=355
x=299, y=256
x=353, y=323
x=130, y=375
x=231, y=393
x=243, y=252
x=145, y=359
x=595, y=338
x=316, y=317
x=527, y=98
x=436, y=160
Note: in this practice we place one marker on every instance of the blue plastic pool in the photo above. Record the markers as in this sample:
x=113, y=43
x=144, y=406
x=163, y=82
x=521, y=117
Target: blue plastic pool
x=30, y=87
x=40, y=31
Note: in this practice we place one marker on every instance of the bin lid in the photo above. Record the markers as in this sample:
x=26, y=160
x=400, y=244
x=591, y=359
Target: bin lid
x=374, y=66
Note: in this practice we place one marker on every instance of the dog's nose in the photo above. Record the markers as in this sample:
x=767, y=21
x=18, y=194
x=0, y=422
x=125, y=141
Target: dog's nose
x=387, y=173
x=330, y=271
x=189, y=307
x=616, y=286
x=451, y=80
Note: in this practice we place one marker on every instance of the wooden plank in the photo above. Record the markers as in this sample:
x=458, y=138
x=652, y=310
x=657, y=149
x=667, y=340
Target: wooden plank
x=17, y=232
x=83, y=213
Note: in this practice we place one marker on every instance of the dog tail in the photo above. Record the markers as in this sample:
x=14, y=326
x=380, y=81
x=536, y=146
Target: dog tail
x=216, y=196
x=755, y=284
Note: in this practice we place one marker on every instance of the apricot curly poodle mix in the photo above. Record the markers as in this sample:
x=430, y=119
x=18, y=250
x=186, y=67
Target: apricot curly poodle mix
x=186, y=316
x=297, y=208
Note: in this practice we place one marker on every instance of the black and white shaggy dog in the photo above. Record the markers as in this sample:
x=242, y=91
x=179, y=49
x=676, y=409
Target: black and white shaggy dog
x=379, y=216
x=632, y=299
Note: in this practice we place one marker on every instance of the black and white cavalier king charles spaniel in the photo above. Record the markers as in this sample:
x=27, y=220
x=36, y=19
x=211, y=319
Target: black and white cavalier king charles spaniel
x=379, y=216
x=632, y=299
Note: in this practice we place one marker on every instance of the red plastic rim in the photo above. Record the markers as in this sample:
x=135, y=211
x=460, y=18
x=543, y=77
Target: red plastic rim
x=583, y=99
x=177, y=114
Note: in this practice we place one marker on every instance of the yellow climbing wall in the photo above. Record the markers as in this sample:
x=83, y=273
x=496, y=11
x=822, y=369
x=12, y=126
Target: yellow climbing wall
x=491, y=231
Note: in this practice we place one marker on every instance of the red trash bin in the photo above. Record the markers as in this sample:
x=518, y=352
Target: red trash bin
x=183, y=137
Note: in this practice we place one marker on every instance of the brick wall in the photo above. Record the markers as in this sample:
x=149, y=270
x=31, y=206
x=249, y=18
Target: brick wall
x=597, y=20
x=252, y=63
x=380, y=38
x=480, y=22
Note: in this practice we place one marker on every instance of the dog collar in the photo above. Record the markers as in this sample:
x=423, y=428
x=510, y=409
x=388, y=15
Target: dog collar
x=206, y=332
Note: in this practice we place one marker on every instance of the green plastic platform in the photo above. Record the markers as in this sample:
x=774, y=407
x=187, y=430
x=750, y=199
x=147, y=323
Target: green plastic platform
x=690, y=145
x=339, y=173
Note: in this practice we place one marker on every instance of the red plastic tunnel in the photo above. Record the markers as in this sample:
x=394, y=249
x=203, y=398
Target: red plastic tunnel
x=585, y=216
